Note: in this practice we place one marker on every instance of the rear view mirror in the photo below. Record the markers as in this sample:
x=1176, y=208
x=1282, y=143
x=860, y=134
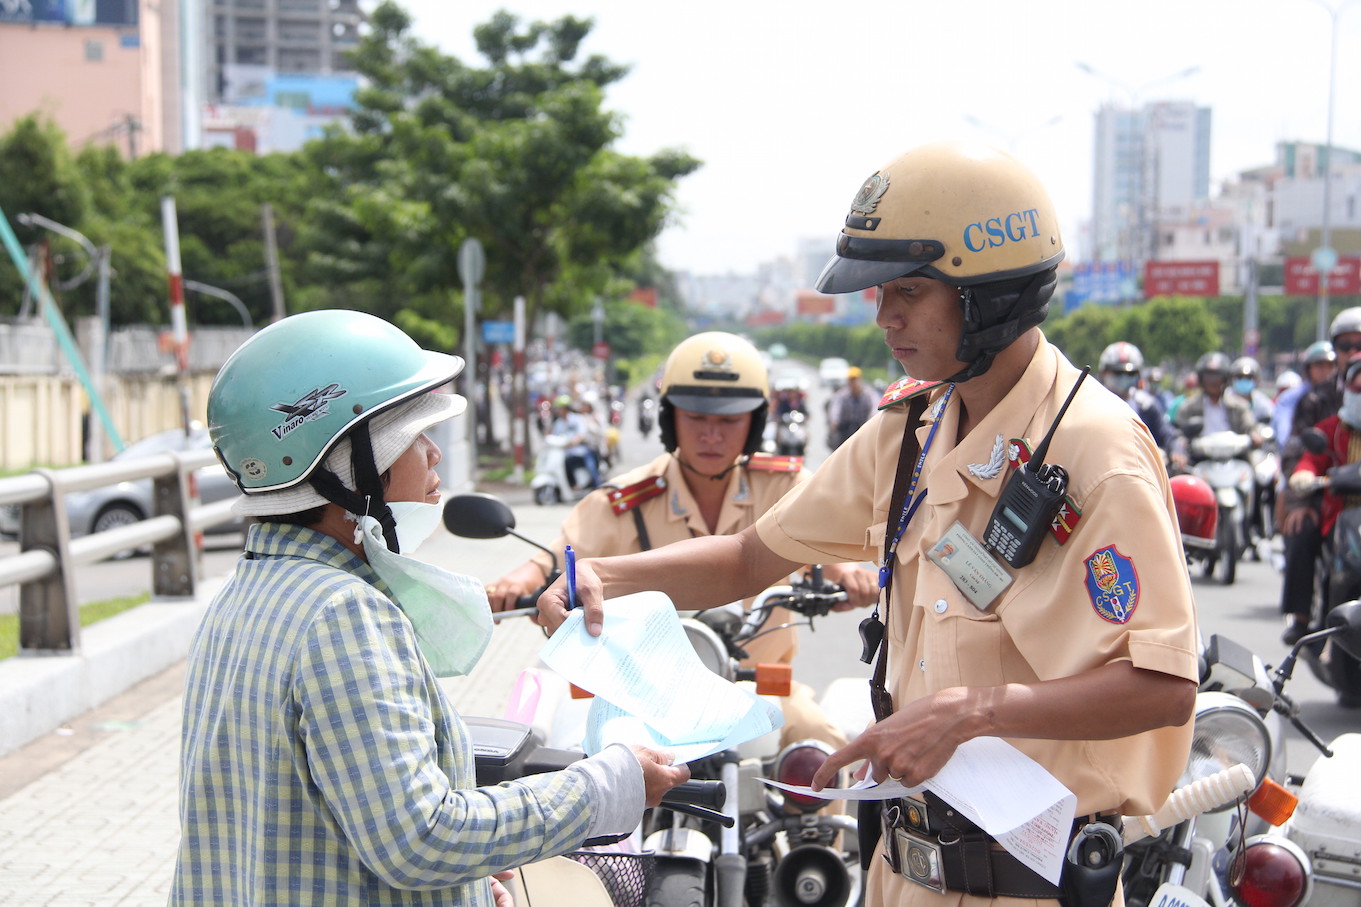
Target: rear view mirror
x=478, y=516
x=1347, y=618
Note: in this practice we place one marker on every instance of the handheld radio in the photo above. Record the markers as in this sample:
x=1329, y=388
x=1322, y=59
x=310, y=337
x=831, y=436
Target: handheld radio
x=1030, y=500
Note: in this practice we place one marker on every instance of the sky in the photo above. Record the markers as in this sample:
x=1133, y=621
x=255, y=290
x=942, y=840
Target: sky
x=791, y=105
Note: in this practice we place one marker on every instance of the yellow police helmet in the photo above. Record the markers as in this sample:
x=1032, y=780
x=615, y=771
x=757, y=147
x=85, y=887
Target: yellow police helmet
x=959, y=212
x=716, y=373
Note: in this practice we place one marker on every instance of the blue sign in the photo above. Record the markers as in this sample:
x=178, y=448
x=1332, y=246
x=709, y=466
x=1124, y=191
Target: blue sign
x=498, y=332
x=1101, y=282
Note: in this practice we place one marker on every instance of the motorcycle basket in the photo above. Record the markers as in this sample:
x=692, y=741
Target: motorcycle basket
x=627, y=876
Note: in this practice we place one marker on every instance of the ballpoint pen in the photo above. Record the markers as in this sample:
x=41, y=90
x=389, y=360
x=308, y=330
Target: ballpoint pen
x=570, y=559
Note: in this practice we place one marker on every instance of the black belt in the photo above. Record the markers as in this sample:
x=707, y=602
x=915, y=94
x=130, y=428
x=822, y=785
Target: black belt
x=932, y=844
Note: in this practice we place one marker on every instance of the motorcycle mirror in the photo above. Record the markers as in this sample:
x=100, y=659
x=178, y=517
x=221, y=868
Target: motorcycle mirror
x=1347, y=617
x=478, y=516
x=1346, y=479
x=1314, y=441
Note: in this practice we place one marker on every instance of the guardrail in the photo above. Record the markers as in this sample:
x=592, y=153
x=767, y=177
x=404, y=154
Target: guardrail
x=44, y=568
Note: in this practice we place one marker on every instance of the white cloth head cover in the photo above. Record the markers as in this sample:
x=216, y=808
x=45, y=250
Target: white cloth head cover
x=392, y=432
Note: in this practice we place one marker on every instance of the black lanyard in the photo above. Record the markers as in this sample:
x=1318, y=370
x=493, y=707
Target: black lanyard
x=906, y=503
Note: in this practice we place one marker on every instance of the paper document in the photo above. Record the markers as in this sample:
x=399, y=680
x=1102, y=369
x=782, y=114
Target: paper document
x=998, y=788
x=650, y=687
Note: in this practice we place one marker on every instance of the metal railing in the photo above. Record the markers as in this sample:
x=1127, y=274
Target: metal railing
x=44, y=568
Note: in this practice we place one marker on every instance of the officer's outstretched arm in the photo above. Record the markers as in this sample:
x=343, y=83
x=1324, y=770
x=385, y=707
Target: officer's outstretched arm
x=696, y=573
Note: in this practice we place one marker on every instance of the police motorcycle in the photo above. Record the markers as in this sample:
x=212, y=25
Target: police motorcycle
x=762, y=846
x=1219, y=458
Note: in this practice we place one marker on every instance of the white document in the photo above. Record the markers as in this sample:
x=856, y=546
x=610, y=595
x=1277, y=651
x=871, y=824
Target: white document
x=650, y=687
x=997, y=787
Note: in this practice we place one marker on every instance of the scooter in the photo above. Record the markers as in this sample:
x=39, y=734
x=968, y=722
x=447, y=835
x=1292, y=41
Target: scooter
x=791, y=434
x=1220, y=458
x=765, y=846
x=551, y=483
x=647, y=414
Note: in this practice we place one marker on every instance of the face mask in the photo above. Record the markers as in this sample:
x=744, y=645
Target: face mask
x=1244, y=386
x=449, y=611
x=1120, y=383
x=1351, y=409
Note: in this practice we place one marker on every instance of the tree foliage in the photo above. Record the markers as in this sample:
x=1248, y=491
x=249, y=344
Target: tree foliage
x=517, y=153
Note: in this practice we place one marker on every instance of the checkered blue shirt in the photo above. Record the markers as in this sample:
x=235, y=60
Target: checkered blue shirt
x=321, y=764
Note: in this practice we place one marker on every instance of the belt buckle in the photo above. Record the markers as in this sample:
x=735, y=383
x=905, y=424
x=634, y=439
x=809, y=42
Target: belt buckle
x=920, y=860
x=914, y=816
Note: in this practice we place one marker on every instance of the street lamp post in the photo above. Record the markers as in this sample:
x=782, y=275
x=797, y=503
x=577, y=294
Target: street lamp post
x=1144, y=187
x=1012, y=139
x=1325, y=258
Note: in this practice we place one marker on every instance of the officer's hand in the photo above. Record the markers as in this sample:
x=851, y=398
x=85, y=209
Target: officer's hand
x=590, y=594
x=504, y=594
x=861, y=585
x=659, y=775
x=910, y=746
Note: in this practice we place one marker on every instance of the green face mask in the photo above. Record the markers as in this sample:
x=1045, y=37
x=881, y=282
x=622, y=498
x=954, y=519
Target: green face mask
x=449, y=611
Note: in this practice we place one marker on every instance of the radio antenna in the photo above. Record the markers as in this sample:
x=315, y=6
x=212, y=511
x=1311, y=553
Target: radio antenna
x=1037, y=458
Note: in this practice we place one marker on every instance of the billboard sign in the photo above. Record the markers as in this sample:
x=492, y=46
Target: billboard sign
x=1301, y=277
x=1181, y=278
x=70, y=12
x=1101, y=282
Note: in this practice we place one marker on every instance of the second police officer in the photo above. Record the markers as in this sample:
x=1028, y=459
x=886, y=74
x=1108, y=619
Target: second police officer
x=1083, y=653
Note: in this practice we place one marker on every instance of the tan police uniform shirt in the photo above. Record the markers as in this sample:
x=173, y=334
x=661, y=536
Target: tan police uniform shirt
x=1048, y=623
x=593, y=529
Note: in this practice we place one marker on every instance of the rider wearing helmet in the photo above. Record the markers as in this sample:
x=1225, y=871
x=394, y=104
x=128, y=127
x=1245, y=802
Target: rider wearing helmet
x=1210, y=409
x=316, y=737
x=1121, y=367
x=1324, y=398
x=580, y=447
x=1245, y=374
x=1028, y=630
x=709, y=481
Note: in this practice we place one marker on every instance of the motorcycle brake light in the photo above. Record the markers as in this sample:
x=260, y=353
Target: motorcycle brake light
x=1272, y=802
x=579, y=693
x=1272, y=877
x=774, y=679
x=796, y=765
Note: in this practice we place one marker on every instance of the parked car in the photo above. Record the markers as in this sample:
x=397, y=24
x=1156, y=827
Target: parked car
x=128, y=502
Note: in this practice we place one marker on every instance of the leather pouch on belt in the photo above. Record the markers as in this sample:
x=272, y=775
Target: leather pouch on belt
x=1092, y=869
x=869, y=830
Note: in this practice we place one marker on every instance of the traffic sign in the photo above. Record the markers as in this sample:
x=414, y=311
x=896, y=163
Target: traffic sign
x=498, y=332
x=601, y=350
x=472, y=261
x=1324, y=259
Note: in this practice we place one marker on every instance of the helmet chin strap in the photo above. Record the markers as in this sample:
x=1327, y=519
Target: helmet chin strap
x=369, y=499
x=1025, y=306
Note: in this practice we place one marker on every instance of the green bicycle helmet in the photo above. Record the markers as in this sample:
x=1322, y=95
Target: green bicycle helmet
x=308, y=384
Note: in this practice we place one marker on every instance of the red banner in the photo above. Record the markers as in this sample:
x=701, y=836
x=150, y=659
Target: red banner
x=1301, y=278
x=1181, y=278
x=810, y=302
x=645, y=295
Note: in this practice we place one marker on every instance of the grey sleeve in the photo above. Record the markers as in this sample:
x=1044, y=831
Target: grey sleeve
x=617, y=792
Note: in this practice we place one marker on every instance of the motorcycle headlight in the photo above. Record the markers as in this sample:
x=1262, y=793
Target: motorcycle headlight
x=796, y=764
x=1227, y=731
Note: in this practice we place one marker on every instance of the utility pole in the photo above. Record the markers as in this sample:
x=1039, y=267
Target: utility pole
x=276, y=289
x=179, y=323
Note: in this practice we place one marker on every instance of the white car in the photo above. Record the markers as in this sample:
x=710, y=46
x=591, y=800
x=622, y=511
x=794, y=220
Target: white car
x=833, y=371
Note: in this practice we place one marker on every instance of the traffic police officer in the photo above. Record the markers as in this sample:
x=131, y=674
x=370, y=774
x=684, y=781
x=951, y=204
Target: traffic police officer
x=709, y=481
x=1081, y=653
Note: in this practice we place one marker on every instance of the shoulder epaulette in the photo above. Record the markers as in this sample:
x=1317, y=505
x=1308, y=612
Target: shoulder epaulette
x=624, y=499
x=772, y=463
x=906, y=389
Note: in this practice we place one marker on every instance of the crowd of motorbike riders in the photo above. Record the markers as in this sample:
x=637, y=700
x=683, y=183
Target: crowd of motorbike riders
x=1305, y=423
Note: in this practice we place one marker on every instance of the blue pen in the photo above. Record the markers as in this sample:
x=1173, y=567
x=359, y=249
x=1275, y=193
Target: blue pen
x=570, y=557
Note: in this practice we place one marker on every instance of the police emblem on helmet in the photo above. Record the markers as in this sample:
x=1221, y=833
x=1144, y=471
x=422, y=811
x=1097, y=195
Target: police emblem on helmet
x=867, y=199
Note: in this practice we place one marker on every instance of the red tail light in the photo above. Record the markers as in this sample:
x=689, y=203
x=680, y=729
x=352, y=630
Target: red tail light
x=796, y=764
x=1276, y=874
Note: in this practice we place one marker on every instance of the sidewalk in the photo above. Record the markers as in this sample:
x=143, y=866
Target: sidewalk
x=89, y=813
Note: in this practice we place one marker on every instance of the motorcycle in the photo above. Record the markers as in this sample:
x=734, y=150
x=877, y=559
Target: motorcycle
x=1266, y=465
x=791, y=434
x=1220, y=458
x=552, y=483
x=647, y=414
x=1337, y=577
x=763, y=846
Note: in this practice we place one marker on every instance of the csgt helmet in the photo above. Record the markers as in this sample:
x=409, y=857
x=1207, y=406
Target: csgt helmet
x=716, y=373
x=1197, y=510
x=292, y=392
x=966, y=214
x=1121, y=357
